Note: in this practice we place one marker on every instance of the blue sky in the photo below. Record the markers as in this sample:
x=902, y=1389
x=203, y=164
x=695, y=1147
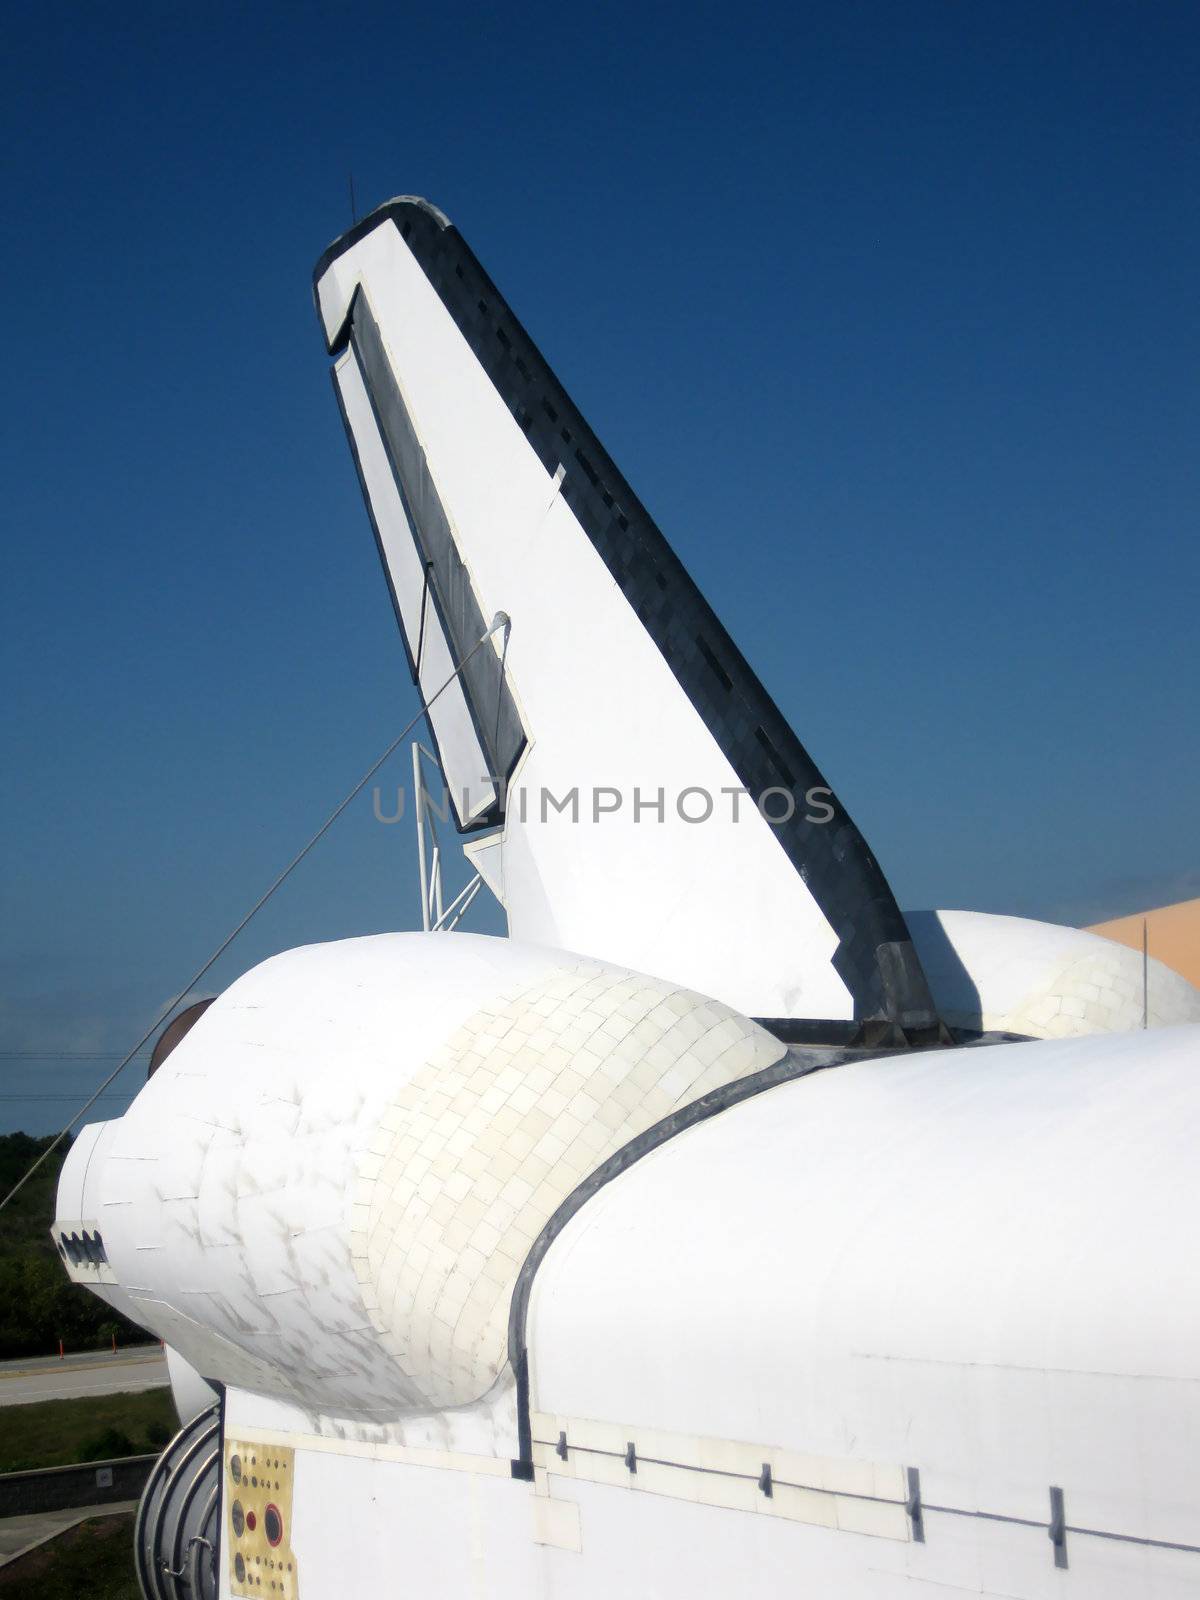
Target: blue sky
x=888, y=312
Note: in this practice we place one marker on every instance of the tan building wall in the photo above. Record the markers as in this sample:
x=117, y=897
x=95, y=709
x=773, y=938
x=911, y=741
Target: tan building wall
x=1173, y=934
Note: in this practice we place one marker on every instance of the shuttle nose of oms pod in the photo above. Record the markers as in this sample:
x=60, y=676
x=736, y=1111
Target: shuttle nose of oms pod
x=328, y=1190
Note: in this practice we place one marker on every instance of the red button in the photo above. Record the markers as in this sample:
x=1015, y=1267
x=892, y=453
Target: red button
x=251, y=1521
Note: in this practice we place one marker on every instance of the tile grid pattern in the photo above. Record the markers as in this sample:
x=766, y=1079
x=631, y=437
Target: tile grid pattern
x=1097, y=994
x=481, y=1146
x=847, y=1495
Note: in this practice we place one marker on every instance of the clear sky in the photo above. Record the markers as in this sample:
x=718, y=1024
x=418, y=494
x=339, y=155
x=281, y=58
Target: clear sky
x=888, y=312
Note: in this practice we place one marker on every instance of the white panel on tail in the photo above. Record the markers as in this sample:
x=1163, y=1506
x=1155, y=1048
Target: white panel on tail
x=463, y=758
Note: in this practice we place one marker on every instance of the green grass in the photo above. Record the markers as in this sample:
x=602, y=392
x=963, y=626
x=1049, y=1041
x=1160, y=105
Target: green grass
x=93, y=1561
x=55, y=1433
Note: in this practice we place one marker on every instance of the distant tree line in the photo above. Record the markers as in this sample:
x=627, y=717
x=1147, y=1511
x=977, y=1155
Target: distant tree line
x=39, y=1305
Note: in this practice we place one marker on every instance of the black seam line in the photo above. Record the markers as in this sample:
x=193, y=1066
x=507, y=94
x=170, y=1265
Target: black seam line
x=1133, y=1538
x=986, y=1516
x=424, y=604
x=790, y=1067
x=1089, y=1533
x=874, y=1499
x=716, y=1472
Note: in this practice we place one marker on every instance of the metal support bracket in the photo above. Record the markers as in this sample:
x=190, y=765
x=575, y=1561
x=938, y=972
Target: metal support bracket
x=912, y=1504
x=1058, y=1527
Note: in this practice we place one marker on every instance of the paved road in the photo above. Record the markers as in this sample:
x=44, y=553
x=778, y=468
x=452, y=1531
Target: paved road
x=19, y=1534
x=93, y=1372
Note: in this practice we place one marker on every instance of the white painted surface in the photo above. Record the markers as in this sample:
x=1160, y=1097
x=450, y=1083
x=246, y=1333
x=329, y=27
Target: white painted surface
x=979, y=1263
x=436, y=1533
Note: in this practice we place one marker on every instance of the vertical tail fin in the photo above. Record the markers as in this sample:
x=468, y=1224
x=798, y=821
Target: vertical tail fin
x=702, y=842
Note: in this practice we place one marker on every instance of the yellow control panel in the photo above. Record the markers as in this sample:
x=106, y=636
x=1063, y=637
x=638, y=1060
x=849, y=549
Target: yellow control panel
x=258, y=1519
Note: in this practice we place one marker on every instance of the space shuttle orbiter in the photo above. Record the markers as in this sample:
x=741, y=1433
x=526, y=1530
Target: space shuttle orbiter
x=721, y=1225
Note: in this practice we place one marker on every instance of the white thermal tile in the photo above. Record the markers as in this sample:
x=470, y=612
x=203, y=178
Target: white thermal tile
x=565, y=1072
